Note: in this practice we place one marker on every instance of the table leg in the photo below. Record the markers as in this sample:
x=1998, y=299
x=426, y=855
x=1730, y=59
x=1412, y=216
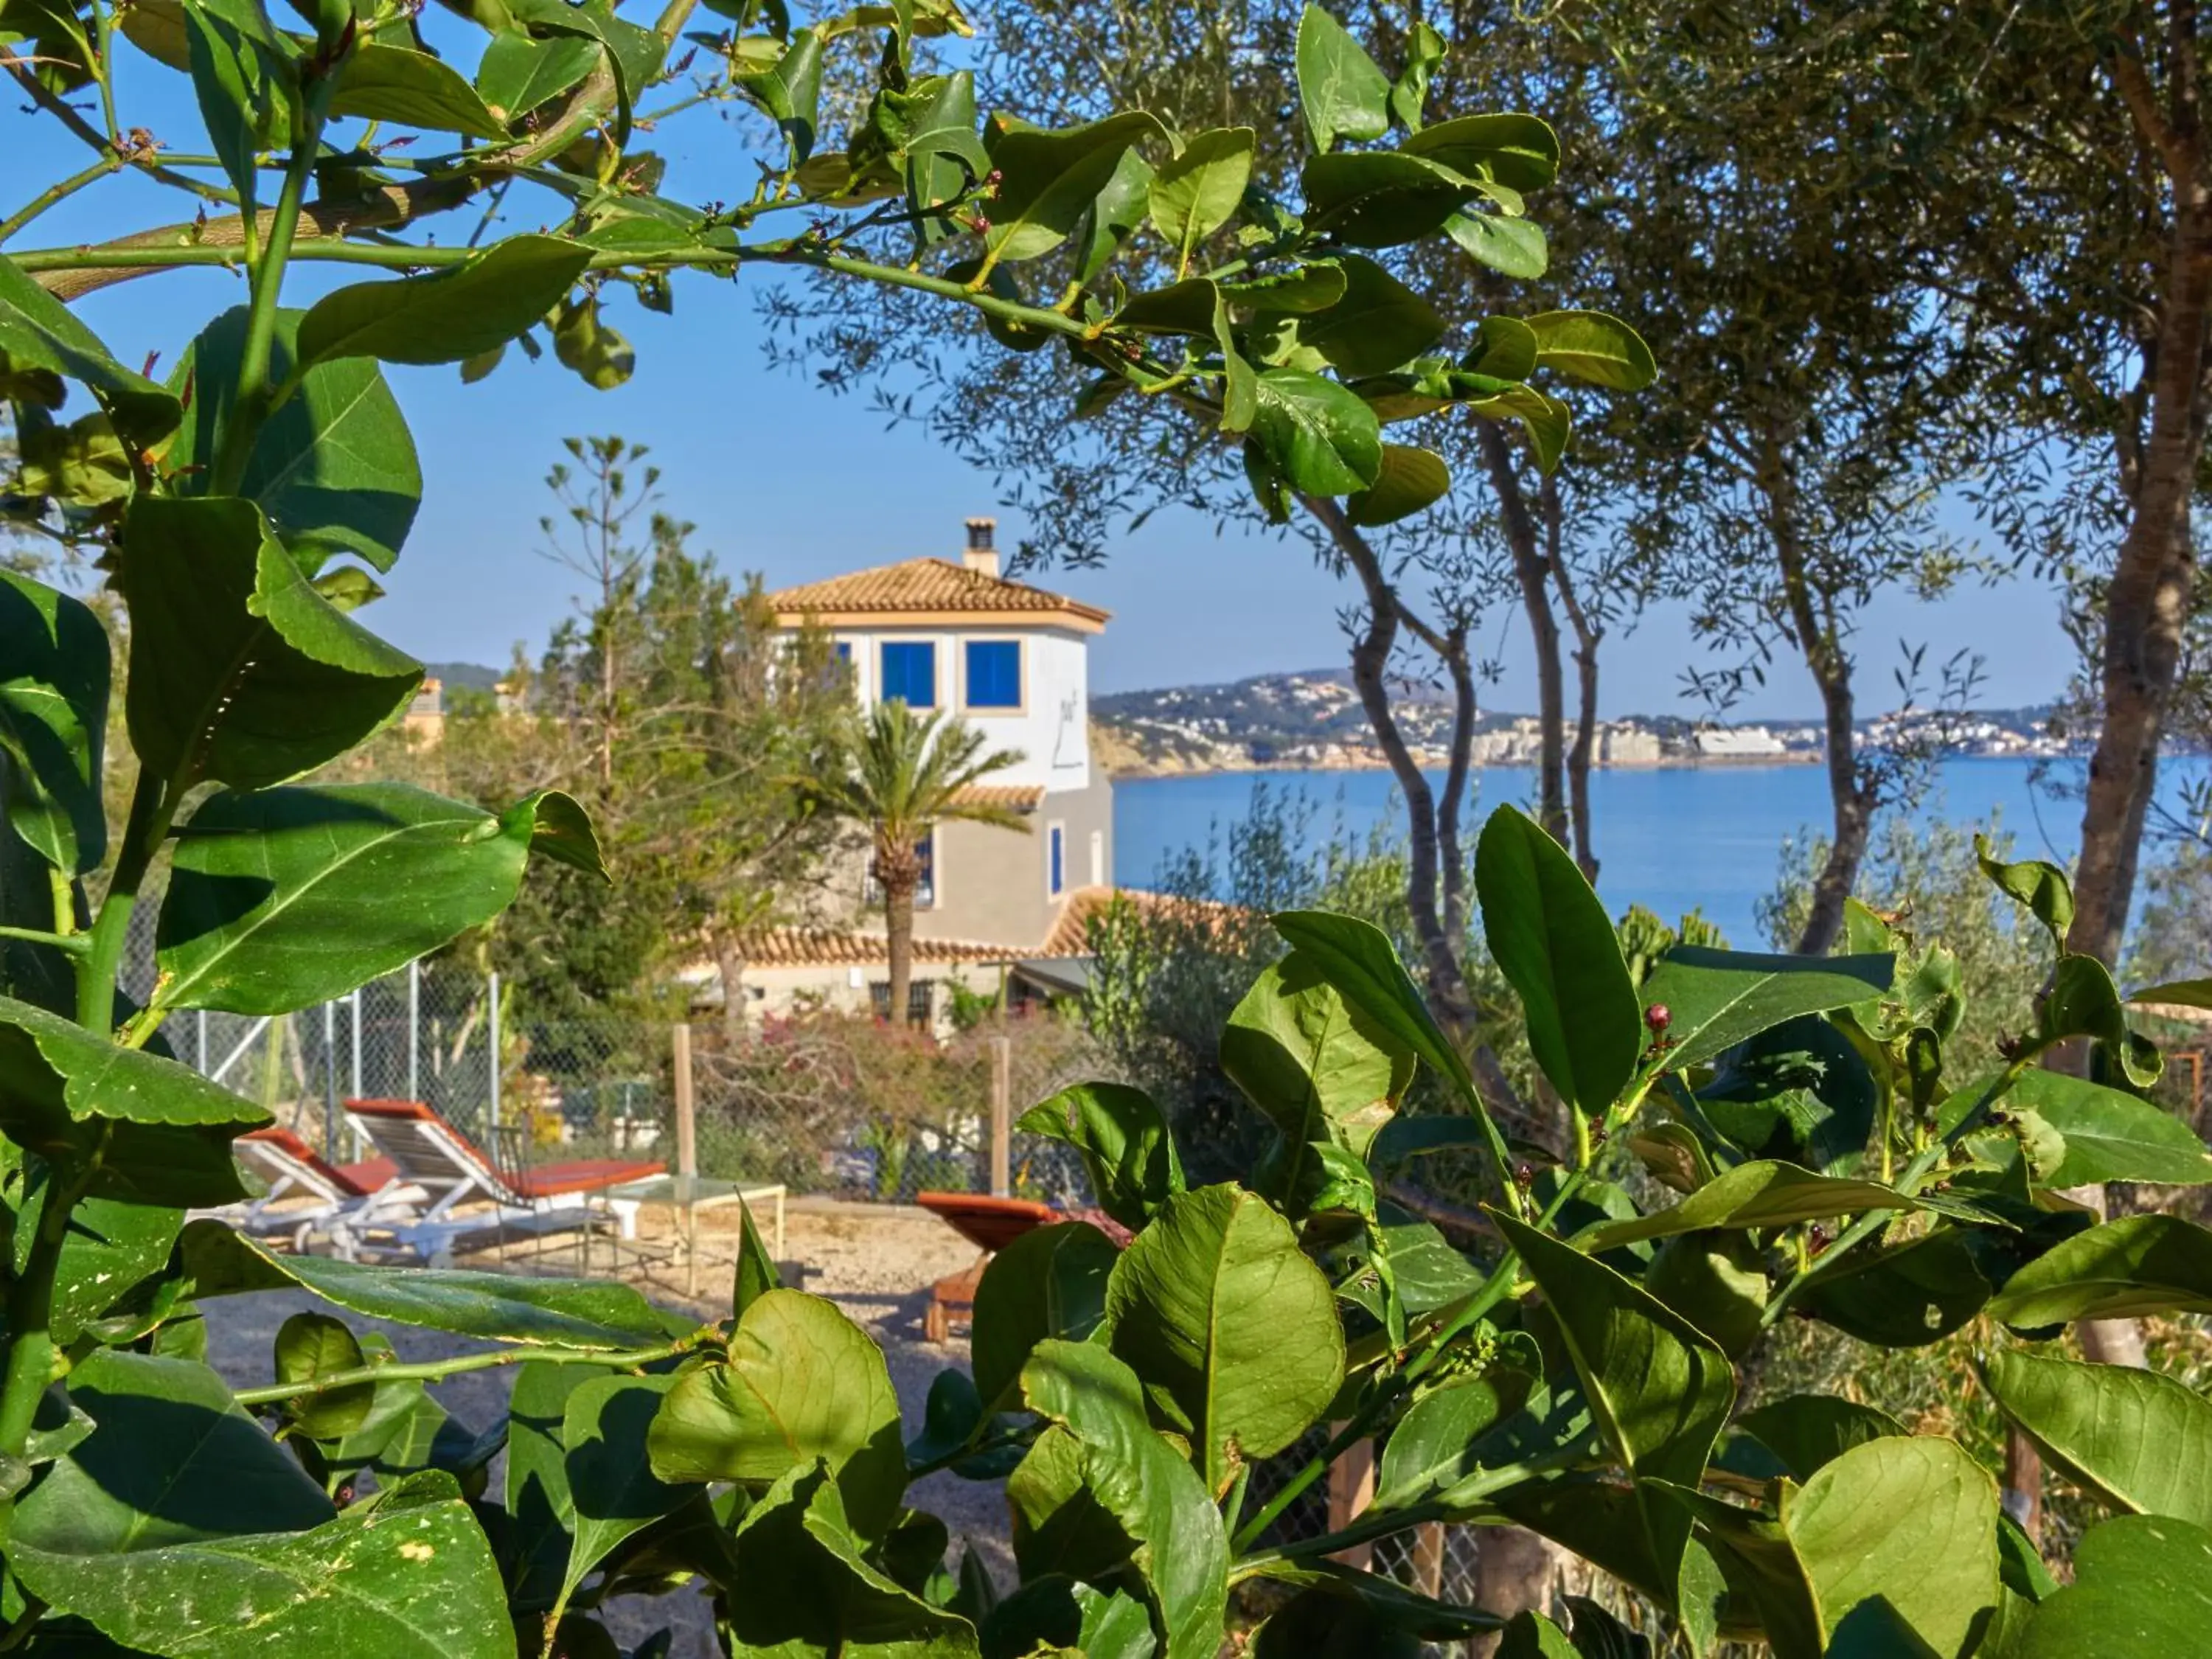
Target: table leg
x=779, y=1224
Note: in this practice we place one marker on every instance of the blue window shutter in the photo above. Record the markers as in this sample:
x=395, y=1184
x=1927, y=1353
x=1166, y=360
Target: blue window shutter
x=910, y=673
x=994, y=674
x=1059, y=859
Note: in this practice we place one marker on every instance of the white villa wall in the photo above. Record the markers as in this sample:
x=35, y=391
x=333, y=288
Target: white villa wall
x=1051, y=729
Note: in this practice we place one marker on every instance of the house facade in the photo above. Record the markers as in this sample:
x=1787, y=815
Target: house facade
x=1012, y=661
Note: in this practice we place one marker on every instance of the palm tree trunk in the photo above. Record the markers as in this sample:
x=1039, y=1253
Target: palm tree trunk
x=898, y=933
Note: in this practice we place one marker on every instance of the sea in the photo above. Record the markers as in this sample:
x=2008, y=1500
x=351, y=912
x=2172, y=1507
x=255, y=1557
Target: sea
x=1672, y=839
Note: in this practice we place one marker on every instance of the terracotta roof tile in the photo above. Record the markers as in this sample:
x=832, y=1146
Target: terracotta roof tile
x=839, y=947
x=1070, y=931
x=927, y=588
x=1009, y=796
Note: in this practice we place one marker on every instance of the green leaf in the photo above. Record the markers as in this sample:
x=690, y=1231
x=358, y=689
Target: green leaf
x=1592, y=347
x=377, y=82
x=1356, y=958
x=802, y=1382
x=1658, y=1389
x=1717, y=998
x=171, y=1460
x=791, y=92
x=53, y=722
x=2140, y=1440
x=1531, y=1635
x=2043, y=888
x=2140, y=1264
x=1195, y=194
x=1155, y=1497
x=634, y=53
x=455, y=314
x=1555, y=944
x=313, y=1344
x=334, y=467
x=1380, y=197
x=1379, y=324
x=517, y=73
x=40, y=335
x=1905, y=1296
x=2110, y=1136
x=235, y=100
x=1519, y=151
x=1409, y=93
x=1901, y=1529
x=1049, y=1283
x=570, y=1313
x=1112, y=216
x=1548, y=422
x=2142, y=1589
x=1314, y=286
x=1318, y=433
x=1340, y=91
x=113, y=1246
x=540, y=1507
x=1757, y=1194
x=1512, y=247
x=49, y=1064
x=1049, y=180
x=407, y=1572
x=1319, y=1068
x=2186, y=993
x=1431, y=1448
x=240, y=672
x=829, y=1599
x=612, y=1490
x=1806, y=1430
x=756, y=1270
x=2082, y=1001
x=1760, y=1565
x=1234, y=1331
x=1124, y=1143
x=282, y=898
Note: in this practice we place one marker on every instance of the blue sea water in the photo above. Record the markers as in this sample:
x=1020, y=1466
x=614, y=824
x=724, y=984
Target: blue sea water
x=1672, y=838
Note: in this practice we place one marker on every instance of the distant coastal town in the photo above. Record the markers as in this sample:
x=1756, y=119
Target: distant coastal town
x=1312, y=721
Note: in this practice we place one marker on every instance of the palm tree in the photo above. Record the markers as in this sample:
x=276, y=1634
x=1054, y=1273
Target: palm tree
x=911, y=773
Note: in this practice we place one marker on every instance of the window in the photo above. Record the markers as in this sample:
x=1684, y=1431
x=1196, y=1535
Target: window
x=1056, y=859
x=925, y=888
x=994, y=673
x=920, y=1001
x=844, y=649
x=910, y=673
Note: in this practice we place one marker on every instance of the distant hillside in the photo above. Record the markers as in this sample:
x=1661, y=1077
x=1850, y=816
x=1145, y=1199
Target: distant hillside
x=1313, y=719
x=465, y=676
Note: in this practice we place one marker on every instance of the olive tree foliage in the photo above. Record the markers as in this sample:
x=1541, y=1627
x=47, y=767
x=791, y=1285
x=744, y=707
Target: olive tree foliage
x=1361, y=268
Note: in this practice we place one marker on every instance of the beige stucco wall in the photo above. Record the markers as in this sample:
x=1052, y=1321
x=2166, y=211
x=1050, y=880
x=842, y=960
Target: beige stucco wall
x=992, y=883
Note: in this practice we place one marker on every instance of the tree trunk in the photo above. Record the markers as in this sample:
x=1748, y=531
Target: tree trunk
x=730, y=969
x=1530, y=570
x=1465, y=712
x=1588, y=636
x=2147, y=609
x=898, y=936
x=1819, y=640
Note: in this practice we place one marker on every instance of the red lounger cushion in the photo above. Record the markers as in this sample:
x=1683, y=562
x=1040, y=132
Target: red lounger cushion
x=987, y=1223
x=586, y=1176
x=359, y=1180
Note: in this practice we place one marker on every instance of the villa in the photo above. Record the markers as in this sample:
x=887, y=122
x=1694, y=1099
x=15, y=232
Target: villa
x=997, y=907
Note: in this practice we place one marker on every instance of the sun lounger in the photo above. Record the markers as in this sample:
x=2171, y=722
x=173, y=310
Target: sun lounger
x=430, y=1153
x=990, y=1224
x=307, y=1194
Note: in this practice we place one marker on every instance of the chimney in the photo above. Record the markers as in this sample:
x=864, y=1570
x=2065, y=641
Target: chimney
x=980, y=555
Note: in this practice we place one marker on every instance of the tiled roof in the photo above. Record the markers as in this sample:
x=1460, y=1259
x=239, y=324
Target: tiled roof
x=927, y=588
x=1007, y=797
x=1070, y=932
x=841, y=947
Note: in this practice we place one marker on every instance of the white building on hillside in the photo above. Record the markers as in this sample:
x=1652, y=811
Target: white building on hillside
x=1013, y=661
x=1739, y=743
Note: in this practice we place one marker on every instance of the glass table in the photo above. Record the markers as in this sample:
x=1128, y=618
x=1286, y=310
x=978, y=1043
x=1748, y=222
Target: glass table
x=688, y=1195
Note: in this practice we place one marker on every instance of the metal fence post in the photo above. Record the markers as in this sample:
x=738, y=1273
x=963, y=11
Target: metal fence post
x=354, y=1014
x=330, y=1080
x=202, y=1024
x=687, y=1122
x=494, y=1051
x=1002, y=1117
x=415, y=1030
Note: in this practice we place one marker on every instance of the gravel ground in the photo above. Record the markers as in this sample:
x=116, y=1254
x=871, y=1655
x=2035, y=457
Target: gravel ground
x=876, y=1262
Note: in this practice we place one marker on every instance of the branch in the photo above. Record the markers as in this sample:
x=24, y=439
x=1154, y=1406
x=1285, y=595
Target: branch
x=432, y=1371
x=2133, y=84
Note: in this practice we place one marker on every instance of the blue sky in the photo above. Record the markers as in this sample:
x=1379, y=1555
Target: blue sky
x=786, y=479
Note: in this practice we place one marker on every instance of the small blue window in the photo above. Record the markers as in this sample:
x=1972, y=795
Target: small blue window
x=910, y=673
x=844, y=651
x=994, y=674
x=1058, y=858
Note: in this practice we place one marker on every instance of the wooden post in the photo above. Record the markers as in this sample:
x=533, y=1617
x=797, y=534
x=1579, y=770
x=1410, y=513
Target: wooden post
x=1429, y=1558
x=687, y=1126
x=1002, y=1117
x=1351, y=1489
